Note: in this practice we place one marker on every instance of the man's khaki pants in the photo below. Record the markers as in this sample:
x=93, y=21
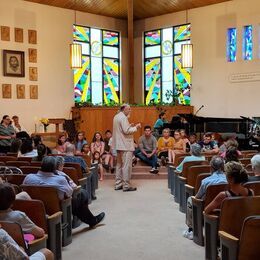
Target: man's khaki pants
x=123, y=169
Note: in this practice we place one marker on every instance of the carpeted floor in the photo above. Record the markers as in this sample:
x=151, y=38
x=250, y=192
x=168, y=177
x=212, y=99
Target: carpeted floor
x=145, y=224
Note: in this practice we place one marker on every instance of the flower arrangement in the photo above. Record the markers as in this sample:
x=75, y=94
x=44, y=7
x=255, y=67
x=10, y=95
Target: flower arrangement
x=45, y=122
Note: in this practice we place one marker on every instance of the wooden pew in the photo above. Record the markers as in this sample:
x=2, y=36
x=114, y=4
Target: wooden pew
x=246, y=245
x=198, y=206
x=245, y=161
x=181, y=181
x=16, y=179
x=171, y=178
x=194, y=172
x=51, y=224
x=36, y=163
x=29, y=169
x=233, y=212
x=7, y=158
x=49, y=197
x=255, y=186
x=72, y=173
x=22, y=158
x=76, y=166
x=15, y=231
x=17, y=163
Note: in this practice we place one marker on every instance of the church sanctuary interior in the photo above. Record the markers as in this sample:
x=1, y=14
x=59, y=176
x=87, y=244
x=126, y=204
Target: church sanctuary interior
x=130, y=129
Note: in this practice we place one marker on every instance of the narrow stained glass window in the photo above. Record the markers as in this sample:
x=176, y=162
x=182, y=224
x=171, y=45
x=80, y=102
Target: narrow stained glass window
x=98, y=81
x=248, y=42
x=232, y=44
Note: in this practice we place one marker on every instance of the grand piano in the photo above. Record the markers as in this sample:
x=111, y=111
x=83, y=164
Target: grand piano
x=223, y=126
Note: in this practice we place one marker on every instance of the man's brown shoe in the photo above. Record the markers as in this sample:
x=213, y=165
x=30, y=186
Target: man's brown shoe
x=130, y=189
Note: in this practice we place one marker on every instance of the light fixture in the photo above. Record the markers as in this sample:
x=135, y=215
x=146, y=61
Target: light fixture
x=75, y=51
x=186, y=55
x=187, y=52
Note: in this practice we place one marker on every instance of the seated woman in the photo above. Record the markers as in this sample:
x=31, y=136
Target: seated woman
x=159, y=124
x=230, y=143
x=179, y=145
x=165, y=147
x=195, y=151
x=236, y=176
x=27, y=149
x=85, y=150
x=61, y=147
x=7, y=197
x=231, y=154
x=79, y=142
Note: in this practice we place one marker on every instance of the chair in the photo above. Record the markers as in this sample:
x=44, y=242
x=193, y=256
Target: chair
x=198, y=206
x=2, y=164
x=7, y=158
x=72, y=173
x=194, y=172
x=244, y=246
x=36, y=163
x=181, y=181
x=12, y=154
x=15, y=231
x=10, y=170
x=95, y=174
x=245, y=161
x=28, y=159
x=49, y=196
x=179, y=158
x=16, y=179
x=249, y=167
x=255, y=186
x=51, y=224
x=91, y=183
x=17, y=163
x=171, y=178
x=246, y=152
x=76, y=166
x=29, y=169
x=230, y=221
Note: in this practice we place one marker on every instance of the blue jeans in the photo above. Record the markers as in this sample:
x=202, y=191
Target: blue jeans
x=152, y=161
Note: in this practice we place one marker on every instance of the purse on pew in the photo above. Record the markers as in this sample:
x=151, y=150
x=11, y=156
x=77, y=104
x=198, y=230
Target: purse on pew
x=15, y=231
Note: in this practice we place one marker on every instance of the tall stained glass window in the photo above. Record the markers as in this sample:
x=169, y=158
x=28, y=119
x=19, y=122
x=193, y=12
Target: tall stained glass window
x=248, y=42
x=162, y=65
x=98, y=81
x=232, y=44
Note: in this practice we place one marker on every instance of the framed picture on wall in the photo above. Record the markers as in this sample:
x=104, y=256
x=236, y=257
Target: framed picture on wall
x=33, y=73
x=32, y=55
x=6, y=90
x=32, y=36
x=33, y=91
x=13, y=63
x=18, y=34
x=20, y=91
x=5, y=33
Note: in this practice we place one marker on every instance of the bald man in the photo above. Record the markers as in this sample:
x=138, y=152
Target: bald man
x=123, y=143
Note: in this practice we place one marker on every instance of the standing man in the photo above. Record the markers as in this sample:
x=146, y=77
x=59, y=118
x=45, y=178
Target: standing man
x=123, y=144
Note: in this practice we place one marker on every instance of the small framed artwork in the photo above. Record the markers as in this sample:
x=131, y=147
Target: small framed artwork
x=13, y=62
x=32, y=36
x=20, y=91
x=6, y=90
x=32, y=55
x=5, y=33
x=33, y=73
x=33, y=91
x=18, y=34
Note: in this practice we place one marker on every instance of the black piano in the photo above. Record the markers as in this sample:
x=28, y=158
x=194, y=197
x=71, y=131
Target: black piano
x=224, y=126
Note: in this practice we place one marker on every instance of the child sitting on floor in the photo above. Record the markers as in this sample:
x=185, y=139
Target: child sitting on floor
x=96, y=158
x=7, y=197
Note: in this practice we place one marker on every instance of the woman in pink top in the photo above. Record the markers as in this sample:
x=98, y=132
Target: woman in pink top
x=61, y=147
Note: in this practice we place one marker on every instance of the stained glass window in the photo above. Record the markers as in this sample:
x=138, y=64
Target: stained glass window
x=248, y=43
x=98, y=81
x=162, y=65
x=232, y=44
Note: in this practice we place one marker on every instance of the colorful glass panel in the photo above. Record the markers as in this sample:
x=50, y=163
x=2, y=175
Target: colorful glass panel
x=82, y=91
x=153, y=80
x=153, y=37
x=182, y=33
x=80, y=33
x=232, y=44
x=111, y=80
x=182, y=81
x=248, y=43
x=110, y=38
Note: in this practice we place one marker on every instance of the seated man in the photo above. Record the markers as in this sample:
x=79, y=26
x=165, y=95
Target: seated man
x=70, y=156
x=47, y=176
x=256, y=168
x=147, y=149
x=9, y=249
x=217, y=177
x=195, y=151
x=208, y=145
